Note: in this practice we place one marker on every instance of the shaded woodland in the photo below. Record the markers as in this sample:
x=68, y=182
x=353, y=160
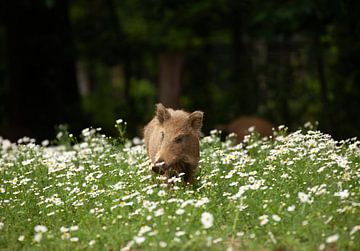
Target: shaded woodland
x=85, y=63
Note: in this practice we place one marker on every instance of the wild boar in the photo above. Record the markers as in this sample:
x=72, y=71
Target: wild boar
x=172, y=142
x=241, y=125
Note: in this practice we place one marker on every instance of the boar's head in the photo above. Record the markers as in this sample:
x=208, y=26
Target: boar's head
x=179, y=134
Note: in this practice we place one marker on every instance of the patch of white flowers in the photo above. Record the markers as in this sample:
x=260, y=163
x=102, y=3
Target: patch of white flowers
x=95, y=194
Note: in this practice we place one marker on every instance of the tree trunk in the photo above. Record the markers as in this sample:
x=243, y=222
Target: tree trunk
x=243, y=71
x=320, y=65
x=171, y=65
x=286, y=83
x=43, y=90
x=83, y=79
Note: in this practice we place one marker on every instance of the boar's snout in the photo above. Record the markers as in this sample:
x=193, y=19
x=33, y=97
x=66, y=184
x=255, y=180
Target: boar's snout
x=160, y=166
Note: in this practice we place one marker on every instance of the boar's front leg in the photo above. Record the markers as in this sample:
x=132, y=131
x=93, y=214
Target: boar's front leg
x=190, y=173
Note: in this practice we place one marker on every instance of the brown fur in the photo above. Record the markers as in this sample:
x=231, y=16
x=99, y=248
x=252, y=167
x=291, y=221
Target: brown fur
x=241, y=125
x=172, y=142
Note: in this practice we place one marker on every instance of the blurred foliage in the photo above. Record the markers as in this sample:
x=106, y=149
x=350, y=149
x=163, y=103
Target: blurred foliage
x=221, y=75
x=288, y=61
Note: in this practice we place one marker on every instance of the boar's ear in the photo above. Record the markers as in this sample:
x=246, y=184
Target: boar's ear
x=196, y=120
x=162, y=113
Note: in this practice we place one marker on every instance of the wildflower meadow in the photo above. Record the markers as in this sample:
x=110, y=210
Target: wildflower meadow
x=294, y=191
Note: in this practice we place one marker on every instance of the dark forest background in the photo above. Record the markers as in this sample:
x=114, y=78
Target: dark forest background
x=88, y=63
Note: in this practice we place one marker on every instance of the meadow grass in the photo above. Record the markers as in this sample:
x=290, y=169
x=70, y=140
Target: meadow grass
x=296, y=191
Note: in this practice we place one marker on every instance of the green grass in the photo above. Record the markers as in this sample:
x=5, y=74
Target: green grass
x=298, y=191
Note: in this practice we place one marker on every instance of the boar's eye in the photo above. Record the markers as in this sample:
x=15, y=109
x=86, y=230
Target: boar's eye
x=162, y=136
x=179, y=139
